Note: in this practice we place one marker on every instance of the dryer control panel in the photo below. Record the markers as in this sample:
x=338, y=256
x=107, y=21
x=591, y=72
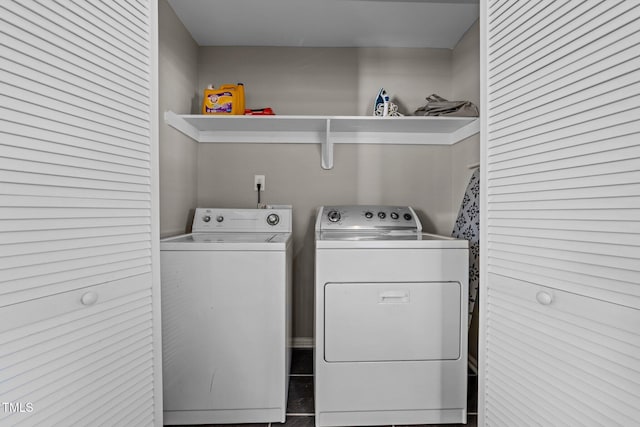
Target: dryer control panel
x=367, y=217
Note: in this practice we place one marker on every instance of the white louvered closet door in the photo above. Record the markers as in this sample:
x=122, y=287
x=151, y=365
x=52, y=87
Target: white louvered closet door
x=560, y=298
x=79, y=341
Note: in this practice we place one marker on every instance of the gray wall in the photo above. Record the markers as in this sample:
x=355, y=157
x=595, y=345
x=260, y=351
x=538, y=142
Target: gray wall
x=466, y=85
x=178, y=77
x=340, y=81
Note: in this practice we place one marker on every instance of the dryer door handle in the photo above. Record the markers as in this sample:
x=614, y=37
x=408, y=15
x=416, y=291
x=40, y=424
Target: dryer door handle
x=393, y=297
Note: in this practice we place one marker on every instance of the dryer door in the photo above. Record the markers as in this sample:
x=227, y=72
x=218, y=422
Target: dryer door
x=392, y=321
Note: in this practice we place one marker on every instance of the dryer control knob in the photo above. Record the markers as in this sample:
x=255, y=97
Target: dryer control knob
x=273, y=219
x=407, y=217
x=368, y=215
x=334, y=216
x=219, y=218
x=206, y=218
x=382, y=215
x=394, y=215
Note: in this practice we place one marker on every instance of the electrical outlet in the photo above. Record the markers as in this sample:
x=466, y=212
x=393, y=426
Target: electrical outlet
x=258, y=179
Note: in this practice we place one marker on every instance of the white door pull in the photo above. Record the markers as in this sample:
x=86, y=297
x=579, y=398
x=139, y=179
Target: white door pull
x=544, y=298
x=89, y=298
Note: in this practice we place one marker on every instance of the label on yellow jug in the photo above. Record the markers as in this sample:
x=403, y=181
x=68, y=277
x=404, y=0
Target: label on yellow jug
x=227, y=99
x=218, y=102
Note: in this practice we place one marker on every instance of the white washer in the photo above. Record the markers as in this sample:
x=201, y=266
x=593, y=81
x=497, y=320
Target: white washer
x=226, y=318
x=391, y=341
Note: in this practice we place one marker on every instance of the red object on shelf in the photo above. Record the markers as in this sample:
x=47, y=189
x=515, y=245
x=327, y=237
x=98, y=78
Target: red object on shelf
x=259, y=112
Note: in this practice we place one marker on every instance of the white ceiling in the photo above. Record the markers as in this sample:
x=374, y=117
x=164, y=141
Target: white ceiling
x=327, y=23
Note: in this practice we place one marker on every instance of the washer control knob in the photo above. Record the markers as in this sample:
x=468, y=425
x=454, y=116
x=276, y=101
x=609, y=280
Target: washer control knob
x=273, y=219
x=368, y=215
x=394, y=215
x=219, y=218
x=206, y=218
x=382, y=215
x=408, y=217
x=334, y=216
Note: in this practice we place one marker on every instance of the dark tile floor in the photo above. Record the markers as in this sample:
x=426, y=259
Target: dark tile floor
x=300, y=409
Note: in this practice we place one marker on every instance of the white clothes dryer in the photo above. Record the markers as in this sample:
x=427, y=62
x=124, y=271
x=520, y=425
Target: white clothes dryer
x=226, y=318
x=390, y=319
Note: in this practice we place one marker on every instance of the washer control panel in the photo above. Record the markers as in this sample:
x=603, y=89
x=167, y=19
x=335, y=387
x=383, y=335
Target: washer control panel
x=367, y=217
x=276, y=219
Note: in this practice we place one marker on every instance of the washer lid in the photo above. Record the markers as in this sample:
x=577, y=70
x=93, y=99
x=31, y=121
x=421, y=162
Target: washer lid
x=227, y=242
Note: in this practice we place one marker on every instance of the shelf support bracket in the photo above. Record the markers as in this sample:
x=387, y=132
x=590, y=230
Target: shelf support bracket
x=327, y=148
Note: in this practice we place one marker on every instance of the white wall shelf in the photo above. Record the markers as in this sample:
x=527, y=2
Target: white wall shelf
x=324, y=130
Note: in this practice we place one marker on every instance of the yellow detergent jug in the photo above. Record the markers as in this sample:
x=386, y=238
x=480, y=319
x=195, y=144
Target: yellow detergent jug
x=227, y=99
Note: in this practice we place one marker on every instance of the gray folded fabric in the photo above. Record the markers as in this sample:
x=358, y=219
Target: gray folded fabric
x=438, y=106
